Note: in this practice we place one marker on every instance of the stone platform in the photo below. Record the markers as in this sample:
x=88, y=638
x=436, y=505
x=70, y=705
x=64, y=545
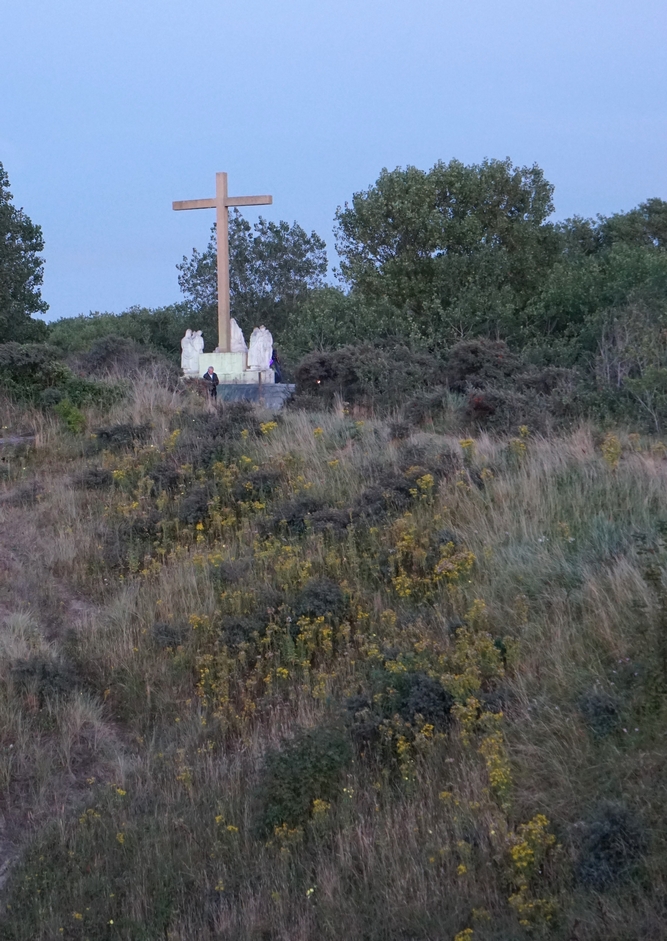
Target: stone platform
x=233, y=368
x=271, y=395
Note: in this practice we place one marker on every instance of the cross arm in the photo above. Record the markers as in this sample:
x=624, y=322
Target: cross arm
x=248, y=201
x=194, y=204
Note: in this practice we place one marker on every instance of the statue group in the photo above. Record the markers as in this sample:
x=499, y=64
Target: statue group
x=260, y=349
x=192, y=345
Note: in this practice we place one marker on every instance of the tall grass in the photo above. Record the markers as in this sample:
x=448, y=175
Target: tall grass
x=439, y=664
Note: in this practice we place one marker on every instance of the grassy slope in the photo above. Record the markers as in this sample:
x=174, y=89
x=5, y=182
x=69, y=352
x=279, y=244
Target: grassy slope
x=175, y=618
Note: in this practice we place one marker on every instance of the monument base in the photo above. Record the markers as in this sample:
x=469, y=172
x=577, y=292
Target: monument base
x=233, y=368
x=272, y=396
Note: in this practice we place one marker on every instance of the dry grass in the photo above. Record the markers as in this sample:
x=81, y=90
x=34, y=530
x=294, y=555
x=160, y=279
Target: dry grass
x=136, y=724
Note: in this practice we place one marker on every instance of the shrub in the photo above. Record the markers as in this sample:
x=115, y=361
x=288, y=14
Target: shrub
x=44, y=678
x=234, y=570
x=27, y=371
x=73, y=417
x=391, y=493
x=207, y=437
x=307, y=768
x=127, y=357
x=613, y=842
x=94, y=478
x=166, y=476
x=367, y=375
x=121, y=436
x=238, y=629
x=330, y=520
x=168, y=635
x=421, y=695
x=479, y=362
x=294, y=515
x=258, y=484
x=601, y=712
x=193, y=507
x=321, y=597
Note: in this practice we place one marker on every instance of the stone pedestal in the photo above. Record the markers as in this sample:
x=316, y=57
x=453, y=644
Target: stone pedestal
x=233, y=368
x=270, y=396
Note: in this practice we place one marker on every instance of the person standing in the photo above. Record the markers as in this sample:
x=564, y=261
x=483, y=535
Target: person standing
x=211, y=377
x=275, y=366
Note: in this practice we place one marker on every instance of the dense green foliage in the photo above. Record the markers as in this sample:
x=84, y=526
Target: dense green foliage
x=34, y=372
x=429, y=260
x=158, y=329
x=272, y=268
x=21, y=270
x=460, y=248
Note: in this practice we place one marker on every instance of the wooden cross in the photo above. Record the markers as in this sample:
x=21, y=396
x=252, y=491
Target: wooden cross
x=221, y=203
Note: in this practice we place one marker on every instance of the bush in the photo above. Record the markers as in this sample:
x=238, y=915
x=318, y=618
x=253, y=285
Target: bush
x=126, y=357
x=166, y=476
x=293, y=516
x=367, y=375
x=73, y=417
x=27, y=371
x=307, y=768
x=44, y=678
x=601, y=712
x=421, y=695
x=94, y=478
x=258, y=484
x=321, y=597
x=478, y=363
x=207, y=437
x=169, y=636
x=122, y=436
x=613, y=842
x=194, y=507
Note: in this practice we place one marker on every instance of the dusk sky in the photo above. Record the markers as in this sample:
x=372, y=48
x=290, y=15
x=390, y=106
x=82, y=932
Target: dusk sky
x=111, y=110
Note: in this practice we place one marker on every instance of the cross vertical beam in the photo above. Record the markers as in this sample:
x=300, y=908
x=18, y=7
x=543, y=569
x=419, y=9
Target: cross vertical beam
x=221, y=204
x=222, y=231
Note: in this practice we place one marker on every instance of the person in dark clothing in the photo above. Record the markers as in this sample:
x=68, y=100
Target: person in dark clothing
x=211, y=377
x=275, y=366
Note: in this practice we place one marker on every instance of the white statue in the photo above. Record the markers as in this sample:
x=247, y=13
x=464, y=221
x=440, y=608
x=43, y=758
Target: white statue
x=237, y=339
x=189, y=354
x=260, y=351
x=198, y=343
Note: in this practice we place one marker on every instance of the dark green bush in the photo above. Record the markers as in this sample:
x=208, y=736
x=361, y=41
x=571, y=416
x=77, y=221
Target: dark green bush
x=207, y=437
x=166, y=475
x=44, y=678
x=168, y=635
x=258, y=484
x=94, y=478
x=380, y=377
x=480, y=362
x=28, y=370
x=71, y=416
x=612, y=845
x=601, y=712
x=293, y=516
x=307, y=768
x=233, y=570
x=321, y=597
x=421, y=695
x=125, y=435
x=194, y=506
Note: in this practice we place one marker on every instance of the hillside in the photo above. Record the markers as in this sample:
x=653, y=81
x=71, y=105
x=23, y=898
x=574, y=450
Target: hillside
x=307, y=676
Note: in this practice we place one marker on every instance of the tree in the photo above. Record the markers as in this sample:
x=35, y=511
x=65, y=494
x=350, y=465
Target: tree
x=272, y=268
x=21, y=270
x=458, y=248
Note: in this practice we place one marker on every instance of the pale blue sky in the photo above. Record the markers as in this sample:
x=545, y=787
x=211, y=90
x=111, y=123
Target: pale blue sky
x=110, y=109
